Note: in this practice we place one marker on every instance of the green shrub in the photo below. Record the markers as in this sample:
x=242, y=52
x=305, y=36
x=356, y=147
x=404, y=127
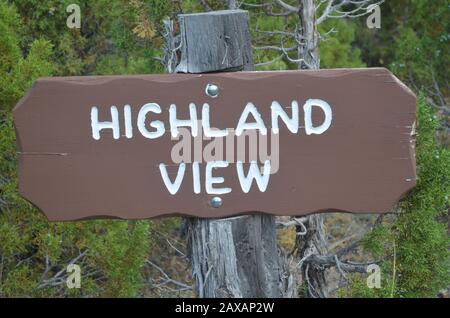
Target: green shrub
x=414, y=248
x=34, y=253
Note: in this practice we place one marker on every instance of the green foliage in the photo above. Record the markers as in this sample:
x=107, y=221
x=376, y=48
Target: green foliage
x=9, y=50
x=26, y=70
x=378, y=241
x=413, y=42
x=17, y=73
x=260, y=23
x=33, y=252
x=46, y=19
x=415, y=247
x=115, y=30
x=122, y=258
x=116, y=65
x=336, y=50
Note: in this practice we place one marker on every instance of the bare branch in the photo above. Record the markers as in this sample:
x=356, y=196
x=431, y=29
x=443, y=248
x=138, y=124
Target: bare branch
x=269, y=62
x=327, y=261
x=326, y=12
x=58, y=278
x=170, y=48
x=176, y=249
x=167, y=279
x=256, y=5
x=295, y=222
x=275, y=32
x=286, y=6
x=333, y=9
x=275, y=48
x=268, y=9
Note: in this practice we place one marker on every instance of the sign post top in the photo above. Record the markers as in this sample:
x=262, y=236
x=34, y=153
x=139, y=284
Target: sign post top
x=226, y=46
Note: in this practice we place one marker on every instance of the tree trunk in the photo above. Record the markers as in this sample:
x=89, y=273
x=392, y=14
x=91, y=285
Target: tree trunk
x=314, y=241
x=234, y=257
x=308, y=51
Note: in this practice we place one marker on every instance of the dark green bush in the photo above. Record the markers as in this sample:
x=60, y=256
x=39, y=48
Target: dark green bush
x=414, y=248
x=33, y=252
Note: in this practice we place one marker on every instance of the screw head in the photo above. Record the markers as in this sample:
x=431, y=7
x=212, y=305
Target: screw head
x=216, y=202
x=212, y=90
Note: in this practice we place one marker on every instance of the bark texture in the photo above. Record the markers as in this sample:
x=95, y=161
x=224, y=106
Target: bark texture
x=215, y=41
x=309, y=51
x=314, y=241
x=234, y=257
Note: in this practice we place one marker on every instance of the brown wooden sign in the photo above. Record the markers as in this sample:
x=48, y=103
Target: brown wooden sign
x=215, y=145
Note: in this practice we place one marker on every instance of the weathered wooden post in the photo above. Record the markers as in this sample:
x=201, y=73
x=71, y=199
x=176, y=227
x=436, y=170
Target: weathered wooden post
x=239, y=256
